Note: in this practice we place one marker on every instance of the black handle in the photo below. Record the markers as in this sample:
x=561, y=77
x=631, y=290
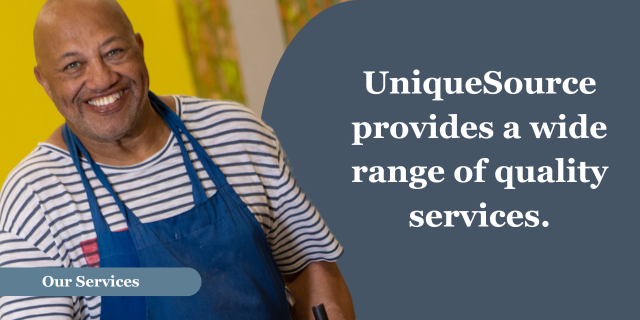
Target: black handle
x=319, y=312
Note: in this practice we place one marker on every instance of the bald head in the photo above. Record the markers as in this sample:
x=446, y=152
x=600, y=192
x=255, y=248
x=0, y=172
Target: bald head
x=91, y=65
x=64, y=16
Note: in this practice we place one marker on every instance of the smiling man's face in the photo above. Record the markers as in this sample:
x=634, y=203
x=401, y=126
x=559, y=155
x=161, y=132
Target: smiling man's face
x=91, y=64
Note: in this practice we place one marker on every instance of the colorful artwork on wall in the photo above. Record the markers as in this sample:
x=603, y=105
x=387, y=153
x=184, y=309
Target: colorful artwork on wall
x=296, y=13
x=211, y=43
x=212, y=49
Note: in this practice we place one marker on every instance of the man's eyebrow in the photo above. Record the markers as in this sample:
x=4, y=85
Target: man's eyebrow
x=68, y=54
x=112, y=39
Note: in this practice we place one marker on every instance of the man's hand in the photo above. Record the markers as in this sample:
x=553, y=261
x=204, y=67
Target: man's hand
x=320, y=282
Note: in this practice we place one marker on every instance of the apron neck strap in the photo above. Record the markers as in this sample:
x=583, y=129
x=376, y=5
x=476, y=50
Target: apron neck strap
x=178, y=128
x=199, y=194
x=100, y=223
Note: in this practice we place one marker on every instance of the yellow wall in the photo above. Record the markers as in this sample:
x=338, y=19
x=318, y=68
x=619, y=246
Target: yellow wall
x=28, y=116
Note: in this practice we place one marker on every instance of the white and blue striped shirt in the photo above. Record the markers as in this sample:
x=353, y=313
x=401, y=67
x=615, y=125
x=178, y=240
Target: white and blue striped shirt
x=45, y=219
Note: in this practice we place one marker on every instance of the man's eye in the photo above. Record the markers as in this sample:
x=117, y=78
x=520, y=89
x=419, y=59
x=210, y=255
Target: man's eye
x=72, y=65
x=113, y=52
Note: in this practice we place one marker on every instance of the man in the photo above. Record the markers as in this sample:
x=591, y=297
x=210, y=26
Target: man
x=54, y=205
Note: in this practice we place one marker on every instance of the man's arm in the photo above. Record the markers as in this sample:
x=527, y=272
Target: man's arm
x=320, y=282
x=16, y=252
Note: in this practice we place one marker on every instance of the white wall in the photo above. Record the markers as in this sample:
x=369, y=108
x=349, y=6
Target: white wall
x=261, y=43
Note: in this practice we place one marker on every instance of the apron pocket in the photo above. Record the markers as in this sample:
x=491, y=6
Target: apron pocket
x=172, y=229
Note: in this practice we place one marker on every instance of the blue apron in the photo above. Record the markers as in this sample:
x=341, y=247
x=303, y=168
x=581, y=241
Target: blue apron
x=220, y=238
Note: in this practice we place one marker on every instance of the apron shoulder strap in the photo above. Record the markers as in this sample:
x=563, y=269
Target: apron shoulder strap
x=100, y=223
x=177, y=126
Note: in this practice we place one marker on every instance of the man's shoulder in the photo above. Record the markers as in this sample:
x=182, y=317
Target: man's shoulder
x=33, y=173
x=195, y=107
x=220, y=115
x=43, y=158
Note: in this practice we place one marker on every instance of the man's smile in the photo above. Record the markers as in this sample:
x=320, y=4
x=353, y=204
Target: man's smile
x=108, y=104
x=107, y=100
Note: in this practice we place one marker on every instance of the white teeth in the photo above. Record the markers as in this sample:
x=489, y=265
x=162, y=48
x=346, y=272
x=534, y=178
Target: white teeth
x=106, y=100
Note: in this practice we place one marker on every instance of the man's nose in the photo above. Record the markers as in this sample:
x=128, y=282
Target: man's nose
x=100, y=76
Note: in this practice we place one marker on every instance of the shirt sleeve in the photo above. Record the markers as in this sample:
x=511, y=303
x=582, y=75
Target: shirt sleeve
x=18, y=253
x=298, y=235
x=26, y=242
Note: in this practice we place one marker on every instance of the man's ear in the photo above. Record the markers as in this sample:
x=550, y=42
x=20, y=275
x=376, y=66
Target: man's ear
x=140, y=42
x=41, y=80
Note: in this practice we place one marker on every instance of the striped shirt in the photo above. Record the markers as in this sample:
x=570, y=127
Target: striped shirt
x=45, y=219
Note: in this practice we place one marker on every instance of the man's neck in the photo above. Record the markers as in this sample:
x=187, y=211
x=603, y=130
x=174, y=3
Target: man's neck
x=132, y=149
